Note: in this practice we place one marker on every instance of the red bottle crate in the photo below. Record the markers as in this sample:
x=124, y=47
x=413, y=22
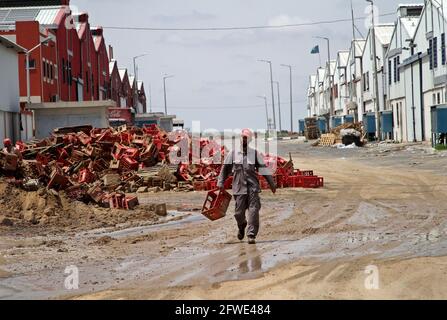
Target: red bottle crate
x=216, y=204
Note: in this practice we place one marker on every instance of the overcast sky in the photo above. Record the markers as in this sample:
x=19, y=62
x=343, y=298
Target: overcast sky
x=217, y=71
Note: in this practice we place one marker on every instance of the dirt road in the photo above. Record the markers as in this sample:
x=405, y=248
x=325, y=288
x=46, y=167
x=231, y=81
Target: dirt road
x=383, y=208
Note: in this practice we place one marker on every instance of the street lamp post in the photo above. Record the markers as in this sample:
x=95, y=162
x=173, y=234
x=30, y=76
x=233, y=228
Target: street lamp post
x=279, y=105
x=273, y=94
x=28, y=80
x=164, y=90
x=376, y=79
x=331, y=100
x=291, y=96
x=135, y=103
x=266, y=110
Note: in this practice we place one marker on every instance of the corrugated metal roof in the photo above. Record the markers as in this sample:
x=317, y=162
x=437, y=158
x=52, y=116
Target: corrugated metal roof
x=46, y=16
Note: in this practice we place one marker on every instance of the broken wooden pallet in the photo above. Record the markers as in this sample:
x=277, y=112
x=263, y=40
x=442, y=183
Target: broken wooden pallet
x=328, y=139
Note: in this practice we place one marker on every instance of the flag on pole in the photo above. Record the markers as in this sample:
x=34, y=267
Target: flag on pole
x=315, y=50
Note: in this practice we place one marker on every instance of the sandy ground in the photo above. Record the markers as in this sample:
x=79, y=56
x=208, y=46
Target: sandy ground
x=383, y=209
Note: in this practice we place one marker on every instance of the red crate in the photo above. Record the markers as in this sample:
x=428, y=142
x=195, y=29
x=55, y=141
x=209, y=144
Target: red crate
x=200, y=185
x=129, y=202
x=211, y=185
x=216, y=204
x=128, y=164
x=312, y=182
x=228, y=183
x=307, y=173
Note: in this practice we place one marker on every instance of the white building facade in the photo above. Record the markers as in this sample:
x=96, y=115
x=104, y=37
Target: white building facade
x=9, y=90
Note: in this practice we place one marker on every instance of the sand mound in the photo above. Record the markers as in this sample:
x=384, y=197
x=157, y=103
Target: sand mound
x=48, y=208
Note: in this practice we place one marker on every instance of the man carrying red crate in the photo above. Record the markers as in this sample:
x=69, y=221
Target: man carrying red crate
x=244, y=164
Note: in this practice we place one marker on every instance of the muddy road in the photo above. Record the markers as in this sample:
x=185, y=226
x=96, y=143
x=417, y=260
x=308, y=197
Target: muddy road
x=382, y=206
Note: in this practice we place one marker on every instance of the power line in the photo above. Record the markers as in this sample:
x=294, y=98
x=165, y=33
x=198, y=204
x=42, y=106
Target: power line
x=305, y=24
x=254, y=106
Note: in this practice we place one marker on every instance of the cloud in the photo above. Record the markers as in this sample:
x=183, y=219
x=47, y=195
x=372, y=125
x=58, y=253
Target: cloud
x=221, y=83
x=285, y=19
x=188, y=17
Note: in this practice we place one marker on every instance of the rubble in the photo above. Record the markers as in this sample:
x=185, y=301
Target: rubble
x=345, y=134
x=104, y=166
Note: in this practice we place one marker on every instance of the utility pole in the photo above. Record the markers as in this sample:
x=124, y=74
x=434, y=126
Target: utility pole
x=28, y=77
x=351, y=94
x=266, y=111
x=164, y=90
x=291, y=95
x=376, y=79
x=273, y=93
x=135, y=93
x=279, y=105
x=150, y=98
x=331, y=100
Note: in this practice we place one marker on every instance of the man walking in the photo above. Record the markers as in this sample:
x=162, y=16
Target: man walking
x=244, y=164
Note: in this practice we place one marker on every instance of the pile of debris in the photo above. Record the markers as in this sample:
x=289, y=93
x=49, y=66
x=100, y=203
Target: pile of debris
x=108, y=166
x=311, y=130
x=94, y=165
x=346, y=134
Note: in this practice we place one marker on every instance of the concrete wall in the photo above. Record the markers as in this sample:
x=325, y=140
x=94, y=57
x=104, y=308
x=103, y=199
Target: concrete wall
x=50, y=116
x=9, y=126
x=9, y=80
x=9, y=94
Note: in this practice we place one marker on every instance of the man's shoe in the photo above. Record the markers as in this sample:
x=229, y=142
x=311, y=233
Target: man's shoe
x=241, y=233
x=251, y=240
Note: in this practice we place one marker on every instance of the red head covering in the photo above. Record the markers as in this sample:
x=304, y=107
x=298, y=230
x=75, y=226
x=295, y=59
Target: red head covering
x=247, y=134
x=7, y=142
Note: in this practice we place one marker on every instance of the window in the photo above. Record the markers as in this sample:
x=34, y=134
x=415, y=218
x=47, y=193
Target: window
x=51, y=72
x=32, y=64
x=398, y=69
x=398, y=114
x=367, y=81
x=435, y=52
x=439, y=98
x=70, y=78
x=443, y=50
x=389, y=72
x=48, y=71
x=430, y=53
x=93, y=85
x=395, y=70
x=44, y=67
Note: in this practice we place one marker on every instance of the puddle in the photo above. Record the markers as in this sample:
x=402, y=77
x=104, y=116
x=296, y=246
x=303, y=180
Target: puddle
x=174, y=219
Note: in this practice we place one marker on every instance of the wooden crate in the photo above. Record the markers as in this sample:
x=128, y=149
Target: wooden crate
x=327, y=140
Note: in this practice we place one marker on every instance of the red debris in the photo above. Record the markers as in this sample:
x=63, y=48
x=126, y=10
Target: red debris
x=77, y=160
